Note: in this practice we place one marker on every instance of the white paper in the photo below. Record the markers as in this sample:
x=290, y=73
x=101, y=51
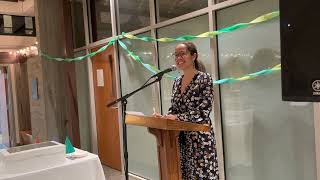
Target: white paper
x=100, y=79
x=135, y=113
x=299, y=103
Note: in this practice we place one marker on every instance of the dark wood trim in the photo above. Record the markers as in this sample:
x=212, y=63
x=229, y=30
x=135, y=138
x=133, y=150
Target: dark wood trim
x=70, y=74
x=12, y=0
x=93, y=20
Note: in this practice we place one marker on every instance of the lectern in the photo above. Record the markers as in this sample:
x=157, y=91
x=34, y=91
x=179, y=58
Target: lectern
x=166, y=132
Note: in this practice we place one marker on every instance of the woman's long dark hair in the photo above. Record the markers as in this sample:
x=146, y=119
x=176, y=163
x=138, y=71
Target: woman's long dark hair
x=193, y=49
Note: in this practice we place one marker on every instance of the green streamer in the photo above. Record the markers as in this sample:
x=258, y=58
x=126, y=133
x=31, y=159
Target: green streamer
x=149, y=67
x=111, y=42
x=249, y=76
x=209, y=34
x=154, y=70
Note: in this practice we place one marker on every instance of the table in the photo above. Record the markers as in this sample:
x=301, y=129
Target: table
x=85, y=168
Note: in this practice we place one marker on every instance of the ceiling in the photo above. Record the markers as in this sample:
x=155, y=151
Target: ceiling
x=11, y=43
x=15, y=7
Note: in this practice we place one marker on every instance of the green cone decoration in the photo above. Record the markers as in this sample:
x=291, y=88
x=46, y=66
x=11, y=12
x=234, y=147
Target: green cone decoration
x=69, y=147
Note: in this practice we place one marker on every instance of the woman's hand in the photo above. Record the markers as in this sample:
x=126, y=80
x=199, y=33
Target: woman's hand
x=167, y=116
x=156, y=114
x=170, y=116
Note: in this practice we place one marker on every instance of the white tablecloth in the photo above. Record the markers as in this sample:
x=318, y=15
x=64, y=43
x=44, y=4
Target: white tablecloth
x=85, y=168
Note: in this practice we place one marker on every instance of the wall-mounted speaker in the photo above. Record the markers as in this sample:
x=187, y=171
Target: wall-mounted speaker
x=300, y=50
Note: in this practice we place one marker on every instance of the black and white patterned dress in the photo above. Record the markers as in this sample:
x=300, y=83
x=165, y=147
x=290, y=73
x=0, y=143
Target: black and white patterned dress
x=197, y=149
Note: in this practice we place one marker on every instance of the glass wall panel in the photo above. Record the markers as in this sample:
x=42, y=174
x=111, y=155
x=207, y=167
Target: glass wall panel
x=142, y=146
x=167, y=9
x=264, y=137
x=83, y=99
x=100, y=19
x=78, y=24
x=134, y=14
x=193, y=26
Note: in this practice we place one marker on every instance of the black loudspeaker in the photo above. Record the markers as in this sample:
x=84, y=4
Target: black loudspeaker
x=300, y=50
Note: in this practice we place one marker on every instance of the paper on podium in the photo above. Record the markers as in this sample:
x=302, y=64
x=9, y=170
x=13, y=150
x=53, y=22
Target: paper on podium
x=135, y=113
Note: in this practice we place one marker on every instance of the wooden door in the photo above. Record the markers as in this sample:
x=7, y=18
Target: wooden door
x=107, y=118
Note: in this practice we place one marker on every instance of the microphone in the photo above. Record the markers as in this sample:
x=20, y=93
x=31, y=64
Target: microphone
x=161, y=73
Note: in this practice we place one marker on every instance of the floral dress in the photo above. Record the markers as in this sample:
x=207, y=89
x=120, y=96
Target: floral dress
x=198, y=155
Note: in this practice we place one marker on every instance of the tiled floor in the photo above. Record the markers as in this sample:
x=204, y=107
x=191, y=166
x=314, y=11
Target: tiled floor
x=112, y=174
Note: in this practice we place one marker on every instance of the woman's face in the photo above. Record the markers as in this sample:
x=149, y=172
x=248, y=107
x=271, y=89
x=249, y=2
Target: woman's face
x=183, y=58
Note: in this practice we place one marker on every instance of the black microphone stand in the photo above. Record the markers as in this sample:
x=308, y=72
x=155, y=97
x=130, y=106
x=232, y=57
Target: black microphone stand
x=124, y=103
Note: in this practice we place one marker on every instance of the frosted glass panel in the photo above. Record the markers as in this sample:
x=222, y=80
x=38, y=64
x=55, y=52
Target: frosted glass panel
x=142, y=147
x=78, y=23
x=83, y=99
x=168, y=9
x=100, y=19
x=265, y=138
x=193, y=26
x=133, y=14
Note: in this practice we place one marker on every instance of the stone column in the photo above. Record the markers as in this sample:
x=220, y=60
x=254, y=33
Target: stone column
x=54, y=34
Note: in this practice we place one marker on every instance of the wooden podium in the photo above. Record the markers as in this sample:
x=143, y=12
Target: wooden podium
x=166, y=132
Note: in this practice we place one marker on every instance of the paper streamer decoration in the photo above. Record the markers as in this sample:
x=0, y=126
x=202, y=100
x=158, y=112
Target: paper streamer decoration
x=210, y=34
